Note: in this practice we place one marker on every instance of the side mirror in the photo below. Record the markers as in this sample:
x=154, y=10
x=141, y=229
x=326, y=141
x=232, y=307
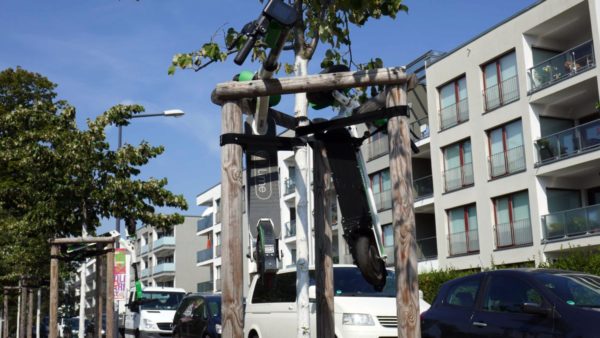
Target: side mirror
x=312, y=293
x=537, y=309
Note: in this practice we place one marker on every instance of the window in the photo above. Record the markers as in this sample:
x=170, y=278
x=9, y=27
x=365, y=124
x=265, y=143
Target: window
x=281, y=288
x=453, y=103
x=378, y=146
x=508, y=294
x=507, y=154
x=388, y=235
x=458, y=165
x=382, y=189
x=513, y=224
x=464, y=293
x=464, y=236
x=500, y=81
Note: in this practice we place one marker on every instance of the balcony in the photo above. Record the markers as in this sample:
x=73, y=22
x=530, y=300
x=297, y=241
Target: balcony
x=164, y=268
x=378, y=147
x=454, y=114
x=218, y=284
x=290, y=228
x=426, y=248
x=218, y=216
x=458, y=177
x=507, y=162
x=218, y=250
x=501, y=94
x=423, y=187
x=143, y=249
x=516, y=233
x=145, y=273
x=205, y=223
x=204, y=255
x=383, y=200
x=289, y=186
x=419, y=128
x=562, y=66
x=205, y=286
x=574, y=141
x=570, y=223
x=461, y=243
x=167, y=241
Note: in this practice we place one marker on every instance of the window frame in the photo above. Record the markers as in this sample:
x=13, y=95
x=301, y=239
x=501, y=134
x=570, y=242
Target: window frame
x=499, y=79
x=503, y=128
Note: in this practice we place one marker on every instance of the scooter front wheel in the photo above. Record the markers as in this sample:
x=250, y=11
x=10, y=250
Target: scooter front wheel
x=370, y=263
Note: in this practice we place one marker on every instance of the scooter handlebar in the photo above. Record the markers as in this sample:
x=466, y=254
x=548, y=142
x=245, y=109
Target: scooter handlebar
x=245, y=50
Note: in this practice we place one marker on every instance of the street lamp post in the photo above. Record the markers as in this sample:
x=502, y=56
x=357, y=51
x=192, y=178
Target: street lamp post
x=167, y=113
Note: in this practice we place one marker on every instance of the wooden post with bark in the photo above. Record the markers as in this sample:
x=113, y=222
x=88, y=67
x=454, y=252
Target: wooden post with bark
x=323, y=246
x=53, y=322
x=29, y=313
x=99, y=293
x=22, y=308
x=110, y=292
x=403, y=215
x=5, y=314
x=231, y=200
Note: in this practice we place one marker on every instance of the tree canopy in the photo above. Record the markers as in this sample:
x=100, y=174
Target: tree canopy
x=56, y=179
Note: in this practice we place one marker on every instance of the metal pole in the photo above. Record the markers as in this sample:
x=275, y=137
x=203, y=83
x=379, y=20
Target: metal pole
x=53, y=291
x=110, y=291
x=118, y=220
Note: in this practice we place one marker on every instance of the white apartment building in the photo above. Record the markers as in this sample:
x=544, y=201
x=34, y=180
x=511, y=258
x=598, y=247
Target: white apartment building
x=514, y=138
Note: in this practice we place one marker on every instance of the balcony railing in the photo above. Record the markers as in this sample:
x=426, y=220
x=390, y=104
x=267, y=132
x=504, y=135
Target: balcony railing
x=426, y=248
x=454, y=114
x=423, y=187
x=513, y=234
x=204, y=255
x=504, y=93
x=164, y=241
x=378, y=147
x=383, y=200
x=218, y=250
x=507, y=162
x=289, y=186
x=143, y=249
x=218, y=284
x=218, y=216
x=562, y=66
x=459, y=177
x=464, y=242
x=164, y=268
x=420, y=128
x=205, y=223
x=145, y=273
x=573, y=141
x=290, y=228
x=204, y=286
x=574, y=222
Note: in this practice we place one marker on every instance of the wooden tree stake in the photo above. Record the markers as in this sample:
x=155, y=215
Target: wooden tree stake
x=53, y=325
x=110, y=292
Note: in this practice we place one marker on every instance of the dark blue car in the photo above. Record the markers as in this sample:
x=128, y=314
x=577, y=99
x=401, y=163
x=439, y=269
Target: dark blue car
x=198, y=316
x=516, y=303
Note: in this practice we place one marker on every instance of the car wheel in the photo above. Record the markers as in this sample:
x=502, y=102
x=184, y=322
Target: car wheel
x=370, y=263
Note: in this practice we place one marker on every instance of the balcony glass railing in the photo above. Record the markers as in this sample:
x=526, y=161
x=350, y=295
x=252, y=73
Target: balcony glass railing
x=464, y=242
x=423, y=187
x=145, y=273
x=204, y=286
x=500, y=94
x=580, y=139
x=218, y=250
x=289, y=186
x=290, y=228
x=204, y=255
x=513, y=234
x=426, y=248
x=562, y=66
x=164, y=268
x=143, y=249
x=218, y=284
x=383, y=200
x=454, y=114
x=507, y=162
x=459, y=177
x=205, y=223
x=574, y=222
x=163, y=242
x=378, y=147
x=218, y=216
x=420, y=128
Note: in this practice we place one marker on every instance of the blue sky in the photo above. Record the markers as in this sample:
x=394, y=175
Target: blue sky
x=105, y=52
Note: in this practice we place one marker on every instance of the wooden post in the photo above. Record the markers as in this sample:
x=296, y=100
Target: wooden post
x=231, y=197
x=29, y=313
x=323, y=238
x=53, y=325
x=5, y=314
x=110, y=291
x=22, y=309
x=99, y=295
x=405, y=246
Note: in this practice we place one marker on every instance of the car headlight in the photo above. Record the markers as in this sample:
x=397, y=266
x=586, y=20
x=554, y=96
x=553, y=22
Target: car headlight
x=218, y=328
x=357, y=319
x=149, y=324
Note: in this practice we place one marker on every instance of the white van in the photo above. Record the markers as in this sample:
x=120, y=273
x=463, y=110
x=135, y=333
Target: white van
x=359, y=310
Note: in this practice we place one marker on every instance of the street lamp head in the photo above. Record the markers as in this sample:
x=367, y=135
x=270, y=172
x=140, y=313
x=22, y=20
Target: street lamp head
x=173, y=112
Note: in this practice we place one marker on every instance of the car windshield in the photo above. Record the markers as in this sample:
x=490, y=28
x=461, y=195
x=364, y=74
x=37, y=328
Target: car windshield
x=581, y=290
x=349, y=282
x=157, y=300
x=214, y=307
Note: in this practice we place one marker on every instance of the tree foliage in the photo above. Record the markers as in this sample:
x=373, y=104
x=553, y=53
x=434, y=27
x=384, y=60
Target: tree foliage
x=322, y=21
x=56, y=179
